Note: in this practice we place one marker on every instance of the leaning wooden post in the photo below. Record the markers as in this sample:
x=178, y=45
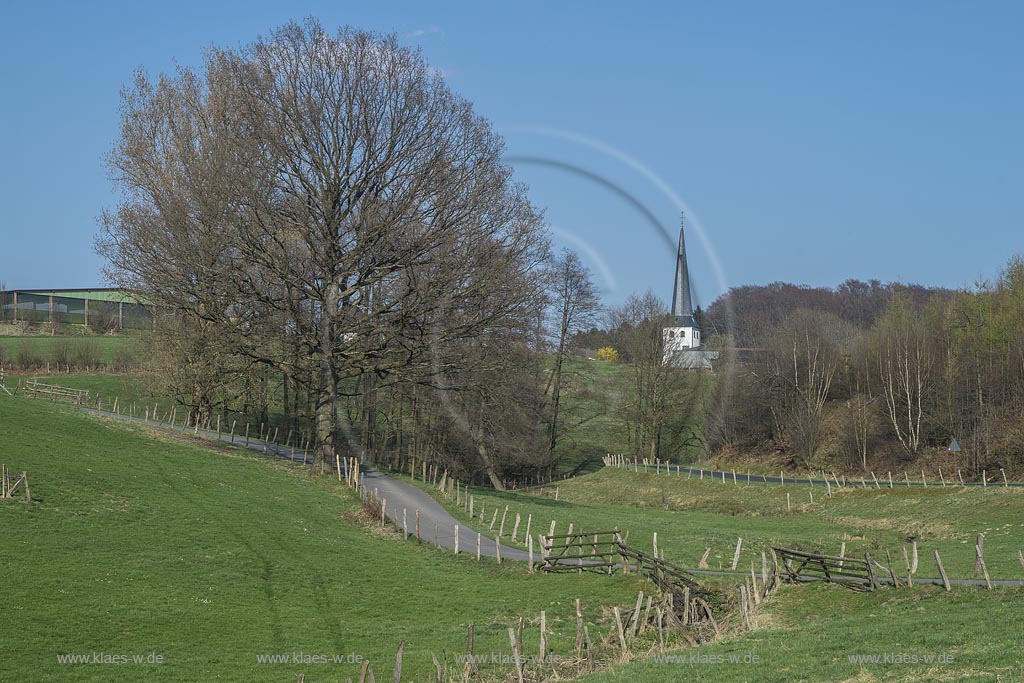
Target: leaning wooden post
x=984, y=568
x=942, y=571
x=529, y=548
x=456, y=539
x=398, y=658
x=418, y=527
x=906, y=563
x=892, y=574
x=736, y=555
x=497, y=548
x=979, y=547
x=501, y=529
x=515, y=654
x=618, y=626
x=543, y=636
x=515, y=527
x=873, y=582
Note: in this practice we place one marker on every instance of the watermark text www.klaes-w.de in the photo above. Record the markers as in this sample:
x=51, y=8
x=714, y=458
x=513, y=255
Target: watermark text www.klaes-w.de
x=148, y=658
x=300, y=657
x=696, y=658
x=901, y=658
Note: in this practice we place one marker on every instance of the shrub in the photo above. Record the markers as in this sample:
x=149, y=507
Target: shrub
x=27, y=358
x=607, y=353
x=87, y=354
x=61, y=353
x=123, y=361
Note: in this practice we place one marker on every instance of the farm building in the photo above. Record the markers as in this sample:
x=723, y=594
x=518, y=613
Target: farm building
x=103, y=309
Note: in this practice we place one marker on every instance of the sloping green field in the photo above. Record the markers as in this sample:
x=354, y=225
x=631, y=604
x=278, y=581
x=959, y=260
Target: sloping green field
x=135, y=545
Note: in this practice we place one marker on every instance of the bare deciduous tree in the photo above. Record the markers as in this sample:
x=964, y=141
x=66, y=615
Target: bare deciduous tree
x=905, y=366
x=325, y=193
x=576, y=302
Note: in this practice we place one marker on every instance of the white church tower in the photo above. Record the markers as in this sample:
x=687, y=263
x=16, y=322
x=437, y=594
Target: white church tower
x=682, y=337
x=684, y=331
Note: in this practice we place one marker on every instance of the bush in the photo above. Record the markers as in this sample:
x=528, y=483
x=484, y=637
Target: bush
x=123, y=361
x=87, y=354
x=607, y=353
x=61, y=353
x=26, y=357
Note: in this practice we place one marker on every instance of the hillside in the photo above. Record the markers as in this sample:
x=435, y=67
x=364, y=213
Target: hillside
x=134, y=543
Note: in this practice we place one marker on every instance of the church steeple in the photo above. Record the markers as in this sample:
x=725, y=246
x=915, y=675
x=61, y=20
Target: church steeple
x=682, y=305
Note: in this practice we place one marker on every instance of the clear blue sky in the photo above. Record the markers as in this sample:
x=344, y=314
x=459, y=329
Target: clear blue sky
x=813, y=141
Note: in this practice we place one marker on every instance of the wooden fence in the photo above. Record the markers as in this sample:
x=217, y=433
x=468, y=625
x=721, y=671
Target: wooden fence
x=36, y=389
x=852, y=572
x=7, y=489
x=605, y=551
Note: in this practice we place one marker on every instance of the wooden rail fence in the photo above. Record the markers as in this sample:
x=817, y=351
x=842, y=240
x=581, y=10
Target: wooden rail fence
x=7, y=488
x=53, y=392
x=605, y=551
x=852, y=572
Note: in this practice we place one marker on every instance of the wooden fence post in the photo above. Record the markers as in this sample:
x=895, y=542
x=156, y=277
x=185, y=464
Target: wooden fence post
x=942, y=571
x=618, y=626
x=515, y=654
x=736, y=555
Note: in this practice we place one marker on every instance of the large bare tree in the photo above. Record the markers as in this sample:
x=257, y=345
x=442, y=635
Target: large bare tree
x=325, y=200
x=576, y=302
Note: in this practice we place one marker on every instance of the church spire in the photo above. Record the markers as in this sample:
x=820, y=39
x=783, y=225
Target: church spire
x=682, y=306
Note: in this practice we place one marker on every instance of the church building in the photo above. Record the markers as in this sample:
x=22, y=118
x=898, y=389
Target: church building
x=682, y=337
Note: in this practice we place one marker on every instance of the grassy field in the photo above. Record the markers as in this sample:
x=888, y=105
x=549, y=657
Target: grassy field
x=592, y=411
x=821, y=633
x=810, y=633
x=50, y=349
x=690, y=516
x=134, y=544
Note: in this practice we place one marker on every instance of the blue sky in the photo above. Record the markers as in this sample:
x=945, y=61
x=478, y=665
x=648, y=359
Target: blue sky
x=810, y=142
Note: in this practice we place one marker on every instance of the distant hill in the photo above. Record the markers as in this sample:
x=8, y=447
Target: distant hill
x=759, y=308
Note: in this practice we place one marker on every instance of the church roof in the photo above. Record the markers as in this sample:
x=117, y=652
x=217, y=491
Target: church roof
x=682, y=306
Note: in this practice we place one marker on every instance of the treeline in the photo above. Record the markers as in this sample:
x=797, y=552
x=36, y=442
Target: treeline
x=748, y=314
x=910, y=376
x=855, y=377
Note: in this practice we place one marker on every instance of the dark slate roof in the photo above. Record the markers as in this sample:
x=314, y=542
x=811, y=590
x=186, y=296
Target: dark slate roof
x=682, y=306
